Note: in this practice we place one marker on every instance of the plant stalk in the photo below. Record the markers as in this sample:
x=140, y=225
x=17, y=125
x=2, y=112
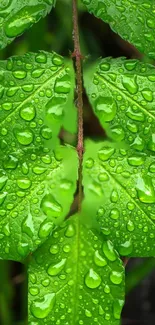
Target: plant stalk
x=79, y=100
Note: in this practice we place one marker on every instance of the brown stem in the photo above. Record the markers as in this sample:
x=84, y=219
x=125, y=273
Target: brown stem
x=79, y=90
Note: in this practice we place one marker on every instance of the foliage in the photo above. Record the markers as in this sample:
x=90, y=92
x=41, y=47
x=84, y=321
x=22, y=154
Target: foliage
x=76, y=274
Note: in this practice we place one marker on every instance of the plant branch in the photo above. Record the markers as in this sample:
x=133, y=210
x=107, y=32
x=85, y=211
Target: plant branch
x=79, y=90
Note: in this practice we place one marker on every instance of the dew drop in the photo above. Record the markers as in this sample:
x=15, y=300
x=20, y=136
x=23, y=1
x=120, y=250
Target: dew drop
x=145, y=189
x=27, y=113
x=50, y=206
x=114, y=214
x=28, y=226
x=42, y=307
x=106, y=108
x=62, y=85
x=70, y=231
x=24, y=137
x=109, y=252
x=116, y=277
x=105, y=153
x=92, y=279
x=10, y=162
x=55, y=269
x=23, y=19
x=99, y=260
x=3, y=179
x=117, y=308
x=126, y=248
x=45, y=229
x=23, y=183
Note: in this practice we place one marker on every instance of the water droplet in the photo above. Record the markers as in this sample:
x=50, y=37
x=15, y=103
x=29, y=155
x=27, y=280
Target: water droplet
x=46, y=132
x=126, y=248
x=23, y=19
x=88, y=313
x=117, y=308
x=54, y=107
x=3, y=179
x=99, y=260
x=25, y=168
x=114, y=214
x=42, y=307
x=70, y=231
x=105, y=66
x=50, y=206
x=41, y=57
x=55, y=269
x=57, y=60
x=136, y=161
x=130, y=226
x=148, y=95
x=2, y=197
x=62, y=85
x=109, y=252
x=24, y=137
x=7, y=106
x=105, y=153
x=45, y=229
x=10, y=162
x=28, y=113
x=37, y=73
x=130, y=84
x=145, y=189
x=28, y=226
x=23, y=249
x=106, y=108
x=38, y=170
x=151, y=143
x=135, y=115
x=114, y=196
x=23, y=183
x=130, y=64
x=92, y=279
x=116, y=277
x=54, y=249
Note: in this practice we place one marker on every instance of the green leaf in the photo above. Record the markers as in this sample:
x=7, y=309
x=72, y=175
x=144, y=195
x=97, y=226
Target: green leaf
x=119, y=188
x=132, y=20
x=34, y=93
x=18, y=16
x=36, y=193
x=70, y=116
x=76, y=278
x=122, y=95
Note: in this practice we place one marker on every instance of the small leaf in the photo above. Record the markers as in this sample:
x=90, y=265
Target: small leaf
x=18, y=16
x=133, y=21
x=34, y=92
x=119, y=189
x=122, y=95
x=76, y=278
x=36, y=193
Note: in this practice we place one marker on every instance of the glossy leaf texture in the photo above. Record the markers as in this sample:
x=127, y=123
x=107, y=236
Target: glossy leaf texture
x=18, y=16
x=36, y=191
x=119, y=188
x=123, y=98
x=34, y=93
x=70, y=116
x=76, y=277
x=133, y=20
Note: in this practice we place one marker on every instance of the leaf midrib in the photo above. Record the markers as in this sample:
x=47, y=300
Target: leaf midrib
x=125, y=95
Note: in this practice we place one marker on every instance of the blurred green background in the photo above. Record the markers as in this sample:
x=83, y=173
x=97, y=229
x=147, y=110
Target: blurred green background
x=54, y=33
